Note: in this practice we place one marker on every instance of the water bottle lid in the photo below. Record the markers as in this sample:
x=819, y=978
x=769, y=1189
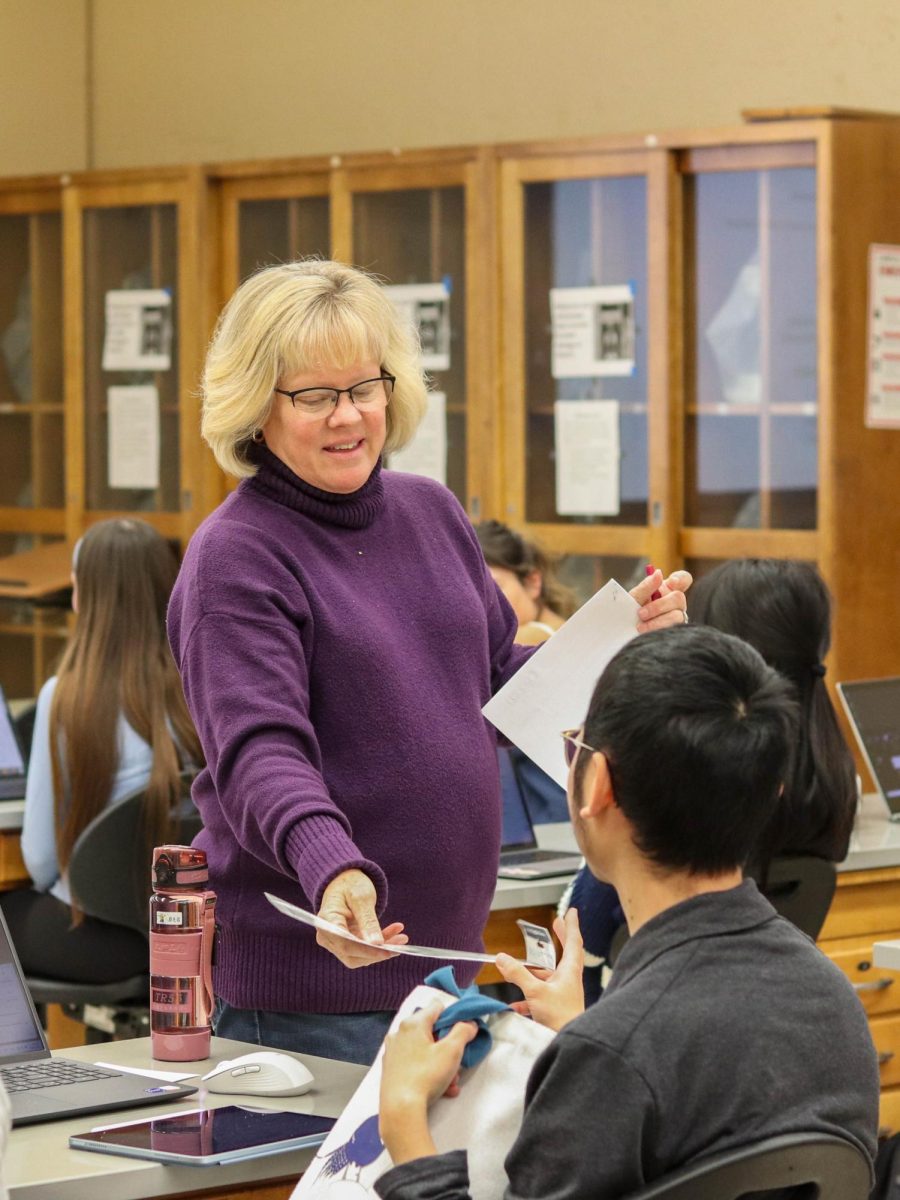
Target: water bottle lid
x=179, y=866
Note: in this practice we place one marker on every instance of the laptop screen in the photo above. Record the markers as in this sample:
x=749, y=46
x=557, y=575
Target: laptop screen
x=11, y=760
x=873, y=706
x=20, y=1034
x=518, y=833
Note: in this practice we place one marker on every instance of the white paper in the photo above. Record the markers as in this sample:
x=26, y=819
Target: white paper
x=593, y=331
x=138, y=331
x=133, y=438
x=165, y=1076
x=586, y=434
x=308, y=918
x=427, y=307
x=553, y=689
x=426, y=454
x=883, y=375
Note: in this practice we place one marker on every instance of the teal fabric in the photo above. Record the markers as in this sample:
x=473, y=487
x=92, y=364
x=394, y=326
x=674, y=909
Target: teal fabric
x=471, y=1006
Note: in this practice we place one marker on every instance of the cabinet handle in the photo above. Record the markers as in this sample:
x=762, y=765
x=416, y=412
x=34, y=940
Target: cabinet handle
x=874, y=985
x=885, y=1056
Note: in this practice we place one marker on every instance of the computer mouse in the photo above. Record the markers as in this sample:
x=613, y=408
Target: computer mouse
x=262, y=1073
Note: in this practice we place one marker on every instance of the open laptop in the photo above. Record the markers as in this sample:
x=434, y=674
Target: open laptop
x=873, y=709
x=12, y=760
x=42, y=1088
x=520, y=857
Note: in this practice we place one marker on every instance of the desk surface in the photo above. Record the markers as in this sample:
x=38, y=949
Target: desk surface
x=34, y=574
x=40, y=1166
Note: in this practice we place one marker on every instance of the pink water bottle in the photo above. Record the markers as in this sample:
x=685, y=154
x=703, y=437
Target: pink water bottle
x=182, y=927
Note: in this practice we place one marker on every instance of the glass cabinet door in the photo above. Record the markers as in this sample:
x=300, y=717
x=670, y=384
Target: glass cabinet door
x=32, y=425
x=586, y=234
x=31, y=375
x=417, y=236
x=131, y=248
x=751, y=392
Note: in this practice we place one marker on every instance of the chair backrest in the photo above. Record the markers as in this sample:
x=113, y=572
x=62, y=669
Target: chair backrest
x=814, y=1166
x=109, y=871
x=801, y=889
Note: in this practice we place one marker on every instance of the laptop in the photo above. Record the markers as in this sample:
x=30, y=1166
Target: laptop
x=873, y=709
x=42, y=1088
x=12, y=760
x=520, y=857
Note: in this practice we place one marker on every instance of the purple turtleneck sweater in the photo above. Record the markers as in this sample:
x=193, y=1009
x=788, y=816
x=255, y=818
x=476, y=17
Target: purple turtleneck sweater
x=336, y=651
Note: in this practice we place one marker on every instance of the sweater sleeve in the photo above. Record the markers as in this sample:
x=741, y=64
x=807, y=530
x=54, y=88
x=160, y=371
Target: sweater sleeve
x=38, y=823
x=440, y=1177
x=243, y=665
x=587, y=1115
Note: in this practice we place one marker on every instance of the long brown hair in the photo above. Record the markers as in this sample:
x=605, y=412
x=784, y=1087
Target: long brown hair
x=504, y=547
x=118, y=661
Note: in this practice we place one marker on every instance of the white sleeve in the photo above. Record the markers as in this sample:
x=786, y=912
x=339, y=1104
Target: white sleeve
x=38, y=827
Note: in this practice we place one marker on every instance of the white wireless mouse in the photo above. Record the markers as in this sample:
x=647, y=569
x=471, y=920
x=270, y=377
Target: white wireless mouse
x=262, y=1073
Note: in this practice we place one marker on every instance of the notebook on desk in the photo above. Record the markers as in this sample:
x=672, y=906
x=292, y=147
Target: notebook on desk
x=873, y=709
x=520, y=857
x=42, y=1088
x=12, y=760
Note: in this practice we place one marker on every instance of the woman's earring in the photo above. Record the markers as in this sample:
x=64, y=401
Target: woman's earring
x=257, y=435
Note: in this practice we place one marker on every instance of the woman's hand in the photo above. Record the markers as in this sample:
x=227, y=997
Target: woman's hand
x=670, y=608
x=349, y=901
x=415, y=1070
x=552, y=998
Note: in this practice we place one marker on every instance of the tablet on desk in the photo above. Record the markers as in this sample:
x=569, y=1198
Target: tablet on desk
x=206, y=1137
x=873, y=709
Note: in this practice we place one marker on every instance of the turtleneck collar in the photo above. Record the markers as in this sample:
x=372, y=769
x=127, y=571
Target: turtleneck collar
x=352, y=510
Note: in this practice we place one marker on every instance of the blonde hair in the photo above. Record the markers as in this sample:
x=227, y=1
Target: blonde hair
x=299, y=317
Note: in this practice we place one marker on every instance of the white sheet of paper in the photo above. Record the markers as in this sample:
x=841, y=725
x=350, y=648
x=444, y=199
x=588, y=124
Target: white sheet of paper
x=586, y=433
x=552, y=691
x=427, y=306
x=426, y=454
x=165, y=1076
x=138, y=330
x=133, y=439
x=308, y=918
x=592, y=331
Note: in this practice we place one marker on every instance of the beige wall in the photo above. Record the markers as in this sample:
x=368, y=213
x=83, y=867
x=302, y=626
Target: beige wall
x=43, y=86
x=188, y=80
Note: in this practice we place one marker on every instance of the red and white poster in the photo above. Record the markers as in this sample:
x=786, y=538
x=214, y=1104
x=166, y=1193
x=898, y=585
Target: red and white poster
x=883, y=373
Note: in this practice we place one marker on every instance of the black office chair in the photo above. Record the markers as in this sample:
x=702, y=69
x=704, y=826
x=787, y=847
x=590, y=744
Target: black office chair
x=109, y=873
x=809, y=1166
x=801, y=889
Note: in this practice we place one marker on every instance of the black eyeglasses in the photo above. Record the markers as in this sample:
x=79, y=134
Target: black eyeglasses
x=572, y=743
x=369, y=394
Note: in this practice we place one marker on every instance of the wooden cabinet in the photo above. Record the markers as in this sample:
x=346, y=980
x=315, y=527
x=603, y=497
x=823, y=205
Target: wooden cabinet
x=866, y=909
x=741, y=423
x=32, y=420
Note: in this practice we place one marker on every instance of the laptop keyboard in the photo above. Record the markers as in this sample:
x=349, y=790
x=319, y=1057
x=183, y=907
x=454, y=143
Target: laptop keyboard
x=50, y=1073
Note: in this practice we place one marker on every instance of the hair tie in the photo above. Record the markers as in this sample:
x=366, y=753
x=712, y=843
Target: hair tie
x=818, y=669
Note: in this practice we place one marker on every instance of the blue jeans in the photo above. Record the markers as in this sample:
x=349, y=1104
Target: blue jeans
x=349, y=1037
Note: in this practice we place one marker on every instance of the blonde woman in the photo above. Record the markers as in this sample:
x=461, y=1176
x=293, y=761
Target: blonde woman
x=337, y=633
x=112, y=720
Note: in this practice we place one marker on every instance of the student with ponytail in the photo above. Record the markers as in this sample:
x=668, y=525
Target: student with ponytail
x=111, y=721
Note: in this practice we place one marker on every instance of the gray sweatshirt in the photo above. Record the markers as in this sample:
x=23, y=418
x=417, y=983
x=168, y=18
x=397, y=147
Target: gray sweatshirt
x=722, y=1025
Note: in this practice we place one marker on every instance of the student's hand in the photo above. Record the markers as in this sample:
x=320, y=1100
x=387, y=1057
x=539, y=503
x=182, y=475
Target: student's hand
x=415, y=1070
x=552, y=998
x=349, y=901
x=670, y=608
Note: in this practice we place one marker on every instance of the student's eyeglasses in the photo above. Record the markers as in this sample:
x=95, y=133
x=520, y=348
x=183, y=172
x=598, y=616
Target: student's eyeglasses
x=572, y=743
x=315, y=402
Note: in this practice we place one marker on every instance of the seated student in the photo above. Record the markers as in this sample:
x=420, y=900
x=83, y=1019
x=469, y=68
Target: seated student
x=723, y=1025
x=788, y=620
x=111, y=721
